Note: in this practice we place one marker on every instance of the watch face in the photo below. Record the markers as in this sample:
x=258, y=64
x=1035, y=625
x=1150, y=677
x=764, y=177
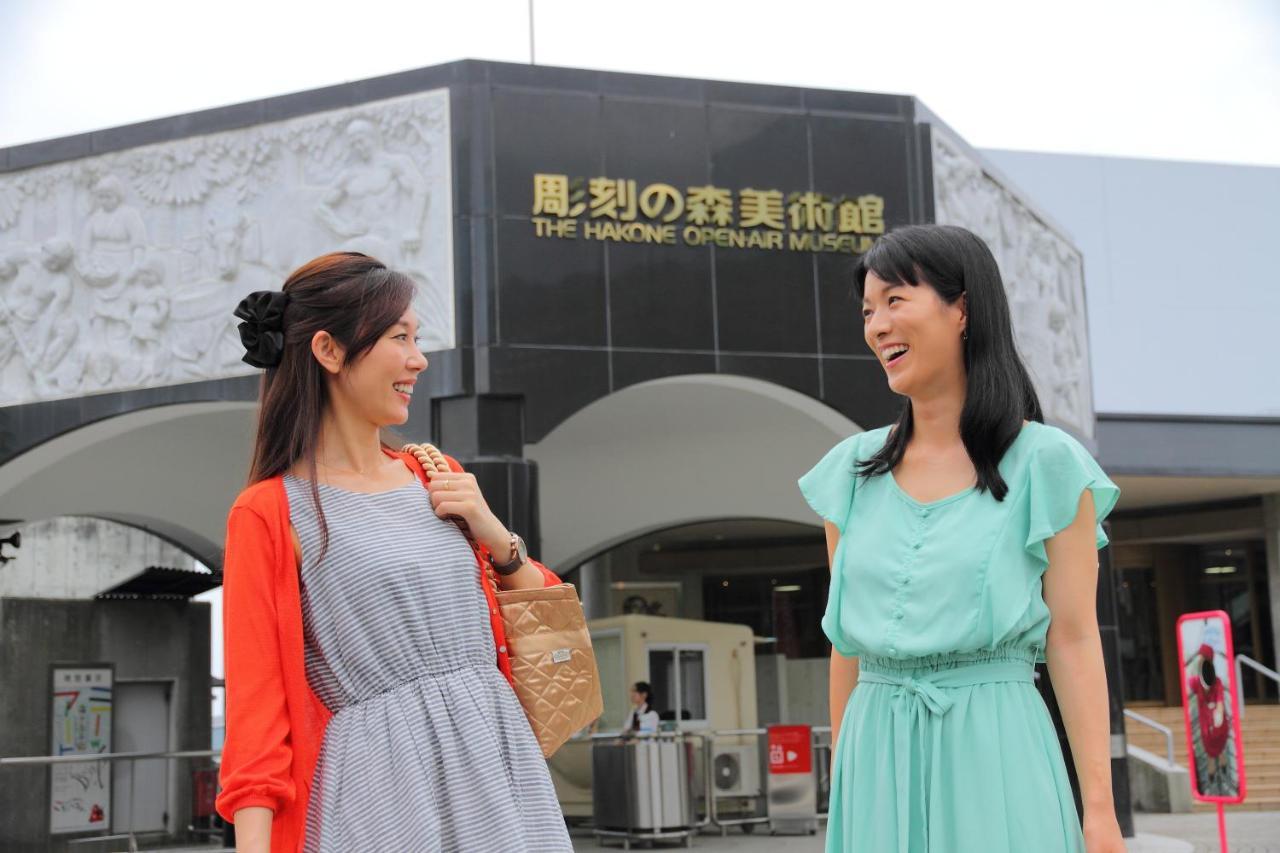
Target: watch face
x=522, y=551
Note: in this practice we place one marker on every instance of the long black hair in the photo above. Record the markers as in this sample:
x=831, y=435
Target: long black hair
x=999, y=395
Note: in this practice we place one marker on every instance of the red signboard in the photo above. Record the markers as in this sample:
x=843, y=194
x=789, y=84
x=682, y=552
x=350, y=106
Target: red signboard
x=1210, y=707
x=790, y=749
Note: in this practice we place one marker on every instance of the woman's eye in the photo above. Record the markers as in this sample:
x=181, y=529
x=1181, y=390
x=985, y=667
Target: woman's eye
x=891, y=298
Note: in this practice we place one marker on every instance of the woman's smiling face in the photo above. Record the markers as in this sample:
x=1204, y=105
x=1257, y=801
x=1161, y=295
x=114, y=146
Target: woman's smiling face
x=914, y=333
x=380, y=384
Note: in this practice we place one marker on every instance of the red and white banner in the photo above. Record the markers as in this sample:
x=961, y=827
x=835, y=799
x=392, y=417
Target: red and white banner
x=790, y=749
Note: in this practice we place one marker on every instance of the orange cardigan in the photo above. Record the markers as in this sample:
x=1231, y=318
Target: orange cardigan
x=275, y=724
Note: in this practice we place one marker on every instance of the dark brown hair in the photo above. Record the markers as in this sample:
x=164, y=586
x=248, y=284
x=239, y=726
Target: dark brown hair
x=354, y=298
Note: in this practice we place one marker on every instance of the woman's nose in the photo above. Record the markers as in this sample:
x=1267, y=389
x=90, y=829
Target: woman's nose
x=877, y=324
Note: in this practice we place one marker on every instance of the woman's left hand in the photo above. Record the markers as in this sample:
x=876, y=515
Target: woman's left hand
x=458, y=494
x=1102, y=834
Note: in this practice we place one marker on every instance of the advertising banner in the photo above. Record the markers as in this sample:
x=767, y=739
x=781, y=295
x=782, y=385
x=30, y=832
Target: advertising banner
x=1209, y=705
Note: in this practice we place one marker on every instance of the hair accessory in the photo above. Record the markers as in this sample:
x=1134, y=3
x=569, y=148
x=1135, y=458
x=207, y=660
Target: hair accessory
x=262, y=331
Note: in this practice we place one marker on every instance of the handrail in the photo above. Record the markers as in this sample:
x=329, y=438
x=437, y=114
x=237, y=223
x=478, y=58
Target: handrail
x=1165, y=730
x=1253, y=664
x=22, y=760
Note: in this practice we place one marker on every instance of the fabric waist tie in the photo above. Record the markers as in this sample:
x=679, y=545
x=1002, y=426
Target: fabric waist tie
x=922, y=694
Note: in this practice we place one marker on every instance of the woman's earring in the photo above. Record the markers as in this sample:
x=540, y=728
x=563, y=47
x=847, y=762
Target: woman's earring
x=964, y=334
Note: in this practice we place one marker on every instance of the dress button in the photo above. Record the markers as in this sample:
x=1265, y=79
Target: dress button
x=906, y=581
x=502, y=649
x=897, y=614
x=915, y=547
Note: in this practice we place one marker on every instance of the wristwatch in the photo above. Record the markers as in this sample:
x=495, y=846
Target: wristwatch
x=517, y=557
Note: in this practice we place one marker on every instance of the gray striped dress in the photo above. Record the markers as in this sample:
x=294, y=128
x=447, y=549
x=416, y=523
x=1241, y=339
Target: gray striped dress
x=428, y=748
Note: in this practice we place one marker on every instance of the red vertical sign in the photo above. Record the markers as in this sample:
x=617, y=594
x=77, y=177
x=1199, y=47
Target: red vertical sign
x=1210, y=707
x=790, y=749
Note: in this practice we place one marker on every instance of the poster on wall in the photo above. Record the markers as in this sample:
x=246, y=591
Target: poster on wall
x=80, y=792
x=1209, y=705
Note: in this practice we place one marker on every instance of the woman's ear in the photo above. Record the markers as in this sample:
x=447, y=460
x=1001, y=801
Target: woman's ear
x=328, y=352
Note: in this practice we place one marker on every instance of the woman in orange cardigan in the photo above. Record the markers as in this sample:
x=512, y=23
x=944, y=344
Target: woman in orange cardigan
x=367, y=707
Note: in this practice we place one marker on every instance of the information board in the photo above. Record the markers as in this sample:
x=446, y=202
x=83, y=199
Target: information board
x=80, y=792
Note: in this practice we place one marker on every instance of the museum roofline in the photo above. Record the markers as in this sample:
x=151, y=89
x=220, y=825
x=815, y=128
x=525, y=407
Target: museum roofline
x=463, y=72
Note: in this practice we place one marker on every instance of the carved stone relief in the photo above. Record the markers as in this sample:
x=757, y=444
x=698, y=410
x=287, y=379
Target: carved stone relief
x=122, y=270
x=1043, y=276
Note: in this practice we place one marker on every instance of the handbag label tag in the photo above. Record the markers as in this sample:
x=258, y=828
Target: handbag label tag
x=561, y=656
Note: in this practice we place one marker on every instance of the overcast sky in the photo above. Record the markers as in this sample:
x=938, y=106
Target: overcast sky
x=1171, y=79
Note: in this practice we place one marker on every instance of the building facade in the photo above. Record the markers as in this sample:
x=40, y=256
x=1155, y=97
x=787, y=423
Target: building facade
x=636, y=292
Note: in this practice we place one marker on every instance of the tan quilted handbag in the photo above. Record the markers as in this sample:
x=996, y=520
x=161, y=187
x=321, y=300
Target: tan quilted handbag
x=552, y=662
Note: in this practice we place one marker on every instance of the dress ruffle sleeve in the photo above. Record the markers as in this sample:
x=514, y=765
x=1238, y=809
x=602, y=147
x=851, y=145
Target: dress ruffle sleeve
x=1060, y=470
x=829, y=485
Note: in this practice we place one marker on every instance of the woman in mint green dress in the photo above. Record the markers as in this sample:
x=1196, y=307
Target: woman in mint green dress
x=963, y=544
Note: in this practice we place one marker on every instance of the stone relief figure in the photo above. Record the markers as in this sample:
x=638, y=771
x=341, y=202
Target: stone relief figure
x=148, y=304
x=113, y=243
x=61, y=327
x=114, y=236
x=205, y=332
x=379, y=201
x=9, y=330
x=1066, y=358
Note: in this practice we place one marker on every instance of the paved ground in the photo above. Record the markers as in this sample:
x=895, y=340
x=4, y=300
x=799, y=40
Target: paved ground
x=1247, y=832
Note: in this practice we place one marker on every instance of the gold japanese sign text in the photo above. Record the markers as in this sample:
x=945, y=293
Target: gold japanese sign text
x=621, y=210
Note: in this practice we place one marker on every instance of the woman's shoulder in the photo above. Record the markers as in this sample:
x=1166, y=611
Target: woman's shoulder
x=1048, y=443
x=873, y=439
x=262, y=497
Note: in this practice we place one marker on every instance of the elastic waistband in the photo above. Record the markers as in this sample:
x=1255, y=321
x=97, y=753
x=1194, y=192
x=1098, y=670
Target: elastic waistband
x=963, y=675
x=353, y=701
x=1007, y=653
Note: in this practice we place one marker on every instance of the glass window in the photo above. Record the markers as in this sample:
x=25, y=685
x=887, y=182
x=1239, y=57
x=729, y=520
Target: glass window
x=678, y=676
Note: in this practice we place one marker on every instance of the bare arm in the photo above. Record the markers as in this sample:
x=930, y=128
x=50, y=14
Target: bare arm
x=1074, y=654
x=253, y=830
x=843, y=673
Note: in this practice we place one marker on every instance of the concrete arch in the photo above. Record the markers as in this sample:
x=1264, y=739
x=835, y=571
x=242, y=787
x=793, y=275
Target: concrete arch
x=171, y=470
x=673, y=451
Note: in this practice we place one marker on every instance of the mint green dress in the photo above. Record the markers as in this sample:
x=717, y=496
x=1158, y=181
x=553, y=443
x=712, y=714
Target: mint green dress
x=945, y=745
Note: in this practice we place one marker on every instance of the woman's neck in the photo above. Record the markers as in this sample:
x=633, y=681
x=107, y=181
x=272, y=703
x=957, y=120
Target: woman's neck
x=935, y=419
x=349, y=445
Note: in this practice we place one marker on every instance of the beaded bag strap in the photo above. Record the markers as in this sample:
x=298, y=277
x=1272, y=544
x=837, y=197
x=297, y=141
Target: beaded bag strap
x=433, y=462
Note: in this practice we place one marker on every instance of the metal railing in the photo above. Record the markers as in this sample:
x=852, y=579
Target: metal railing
x=1252, y=664
x=131, y=836
x=1164, y=730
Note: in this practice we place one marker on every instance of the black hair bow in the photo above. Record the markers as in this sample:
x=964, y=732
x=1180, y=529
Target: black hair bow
x=262, y=331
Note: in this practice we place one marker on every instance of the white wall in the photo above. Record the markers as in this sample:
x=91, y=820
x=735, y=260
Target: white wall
x=1180, y=275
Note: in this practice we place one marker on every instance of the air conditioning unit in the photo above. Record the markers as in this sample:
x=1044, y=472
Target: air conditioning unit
x=736, y=771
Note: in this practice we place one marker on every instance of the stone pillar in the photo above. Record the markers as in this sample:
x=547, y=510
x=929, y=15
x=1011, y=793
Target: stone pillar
x=486, y=434
x=594, y=579
x=1271, y=528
